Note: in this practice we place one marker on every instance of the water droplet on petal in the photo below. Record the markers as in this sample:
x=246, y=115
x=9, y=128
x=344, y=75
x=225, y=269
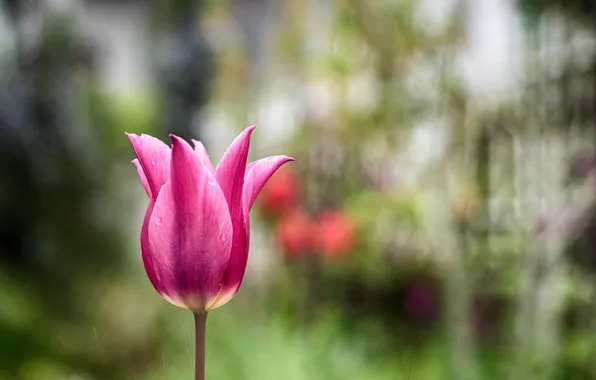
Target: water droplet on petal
x=158, y=221
x=224, y=237
x=153, y=162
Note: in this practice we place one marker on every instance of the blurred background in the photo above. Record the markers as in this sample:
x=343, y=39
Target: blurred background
x=439, y=221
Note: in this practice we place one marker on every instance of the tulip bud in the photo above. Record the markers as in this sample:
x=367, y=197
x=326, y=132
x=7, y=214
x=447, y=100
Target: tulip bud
x=195, y=236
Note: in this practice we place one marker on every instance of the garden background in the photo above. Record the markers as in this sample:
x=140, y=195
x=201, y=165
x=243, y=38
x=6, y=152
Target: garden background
x=439, y=221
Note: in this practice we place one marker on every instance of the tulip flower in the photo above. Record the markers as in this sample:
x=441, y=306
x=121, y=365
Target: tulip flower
x=196, y=231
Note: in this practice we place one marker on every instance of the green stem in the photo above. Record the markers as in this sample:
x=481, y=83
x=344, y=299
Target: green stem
x=200, y=329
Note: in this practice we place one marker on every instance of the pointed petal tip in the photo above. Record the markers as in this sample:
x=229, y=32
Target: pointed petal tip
x=259, y=173
x=201, y=152
x=282, y=159
x=177, y=139
x=198, y=145
x=181, y=146
x=132, y=137
x=248, y=131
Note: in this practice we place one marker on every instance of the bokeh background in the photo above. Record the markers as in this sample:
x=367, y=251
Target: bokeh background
x=439, y=221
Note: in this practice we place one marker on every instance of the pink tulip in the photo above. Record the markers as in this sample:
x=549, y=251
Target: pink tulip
x=195, y=235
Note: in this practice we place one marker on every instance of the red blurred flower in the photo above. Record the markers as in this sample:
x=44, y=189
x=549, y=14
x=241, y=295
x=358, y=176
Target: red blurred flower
x=281, y=193
x=336, y=234
x=294, y=233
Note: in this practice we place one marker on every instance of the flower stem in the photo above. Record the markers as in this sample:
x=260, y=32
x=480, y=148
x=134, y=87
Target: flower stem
x=200, y=328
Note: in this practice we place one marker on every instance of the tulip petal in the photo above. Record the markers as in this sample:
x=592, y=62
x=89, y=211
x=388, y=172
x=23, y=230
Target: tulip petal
x=230, y=175
x=190, y=232
x=146, y=254
x=142, y=176
x=154, y=158
x=145, y=251
x=258, y=174
x=203, y=155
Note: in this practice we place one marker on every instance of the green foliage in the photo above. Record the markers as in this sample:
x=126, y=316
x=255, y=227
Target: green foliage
x=112, y=115
x=382, y=217
x=278, y=350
